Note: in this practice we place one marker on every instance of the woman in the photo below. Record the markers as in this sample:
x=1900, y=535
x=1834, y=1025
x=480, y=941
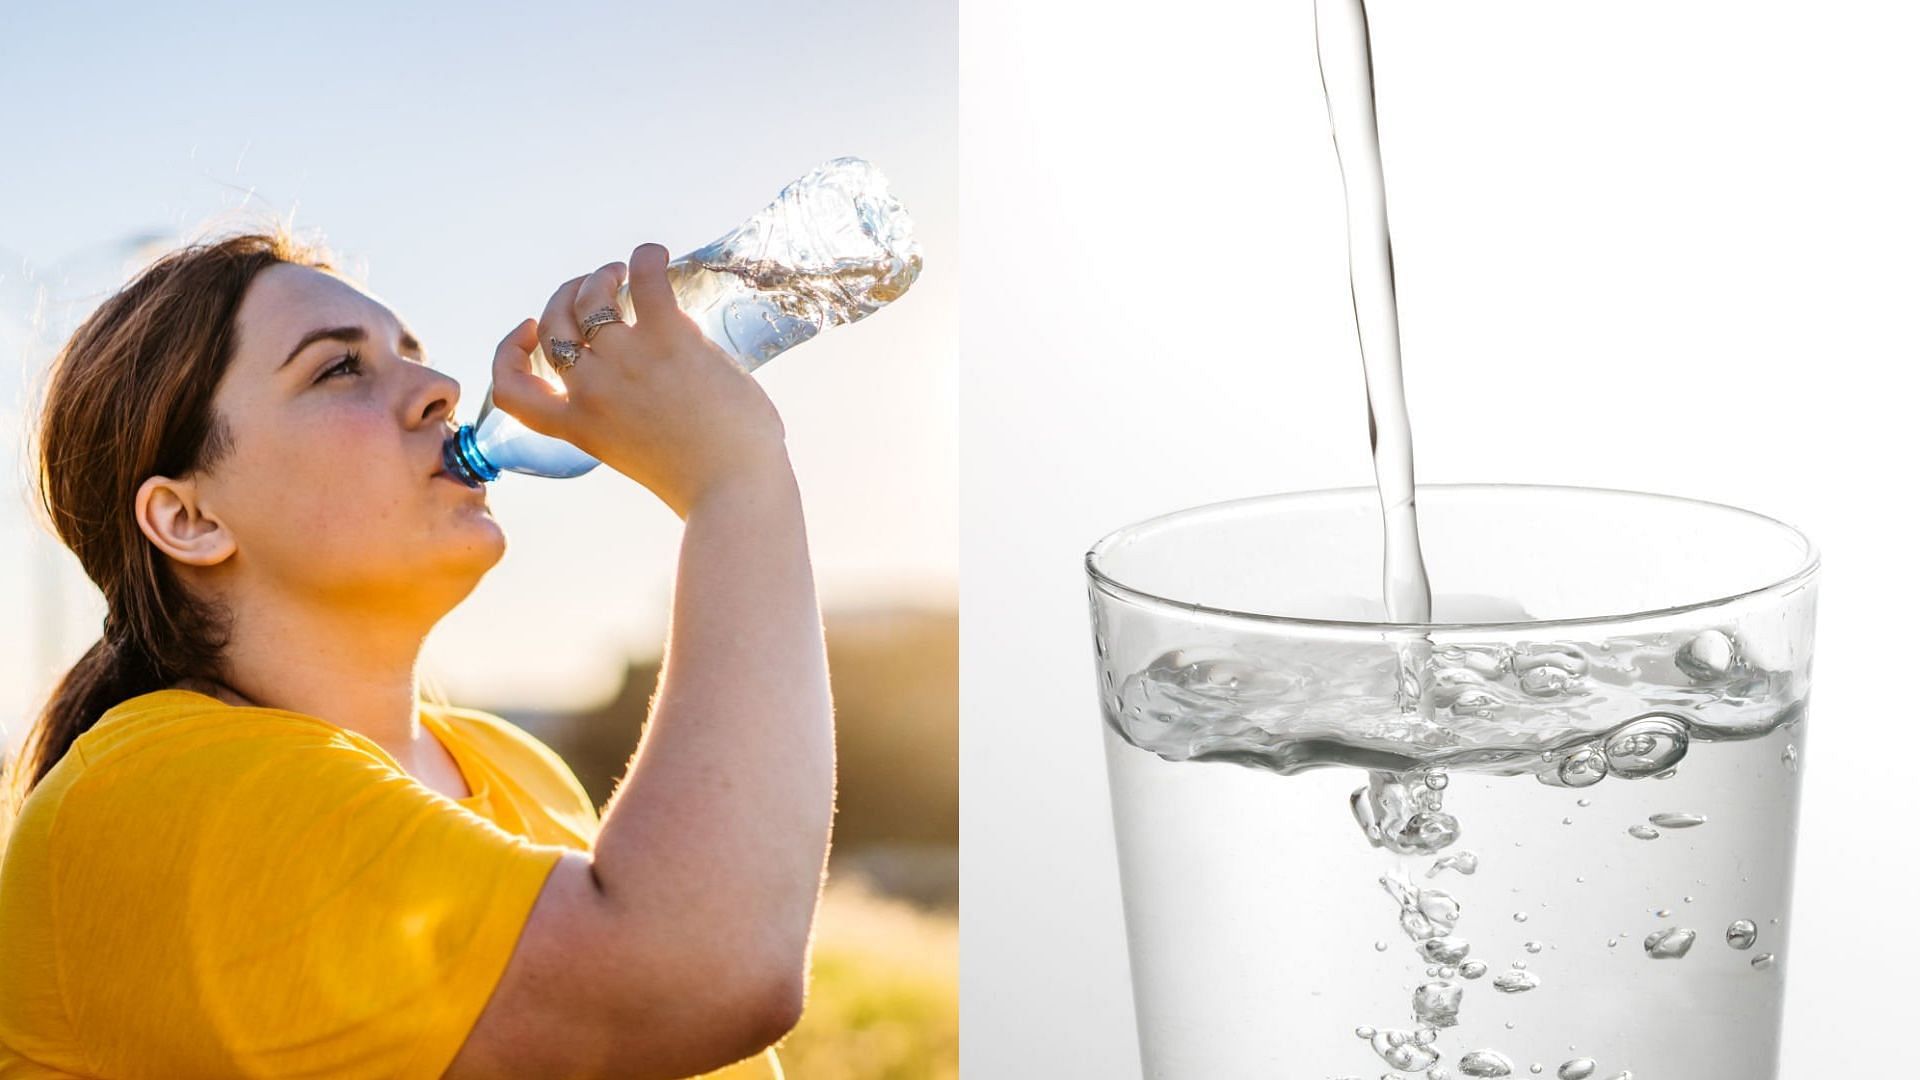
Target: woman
x=248, y=847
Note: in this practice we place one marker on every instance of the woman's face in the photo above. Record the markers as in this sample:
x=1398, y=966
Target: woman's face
x=330, y=493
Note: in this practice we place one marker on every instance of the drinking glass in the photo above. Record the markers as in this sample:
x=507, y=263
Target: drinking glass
x=1554, y=827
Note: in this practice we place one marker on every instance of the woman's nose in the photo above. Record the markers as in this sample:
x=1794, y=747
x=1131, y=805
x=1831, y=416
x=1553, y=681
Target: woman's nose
x=438, y=398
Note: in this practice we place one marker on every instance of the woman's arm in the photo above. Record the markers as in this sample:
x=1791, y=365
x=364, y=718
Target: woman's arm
x=681, y=942
x=724, y=815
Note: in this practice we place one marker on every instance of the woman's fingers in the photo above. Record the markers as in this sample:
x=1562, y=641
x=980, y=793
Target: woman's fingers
x=533, y=400
x=600, y=292
x=558, y=327
x=647, y=284
x=521, y=384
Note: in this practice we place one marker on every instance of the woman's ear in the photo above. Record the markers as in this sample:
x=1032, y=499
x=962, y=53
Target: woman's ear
x=169, y=513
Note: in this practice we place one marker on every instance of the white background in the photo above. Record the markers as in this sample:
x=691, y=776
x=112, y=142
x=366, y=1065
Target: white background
x=1653, y=244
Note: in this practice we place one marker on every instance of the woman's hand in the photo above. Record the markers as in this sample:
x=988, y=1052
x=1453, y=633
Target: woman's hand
x=656, y=400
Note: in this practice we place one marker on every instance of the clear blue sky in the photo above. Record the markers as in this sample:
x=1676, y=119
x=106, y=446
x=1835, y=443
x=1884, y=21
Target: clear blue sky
x=466, y=160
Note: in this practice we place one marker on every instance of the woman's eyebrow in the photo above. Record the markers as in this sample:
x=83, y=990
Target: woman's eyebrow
x=351, y=335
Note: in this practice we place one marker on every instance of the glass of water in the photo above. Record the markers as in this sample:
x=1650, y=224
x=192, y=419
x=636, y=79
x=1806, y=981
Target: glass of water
x=1549, y=833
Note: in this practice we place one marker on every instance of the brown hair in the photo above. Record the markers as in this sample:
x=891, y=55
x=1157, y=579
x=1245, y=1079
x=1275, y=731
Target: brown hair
x=129, y=396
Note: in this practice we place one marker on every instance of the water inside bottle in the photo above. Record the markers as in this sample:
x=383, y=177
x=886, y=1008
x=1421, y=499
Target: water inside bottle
x=832, y=248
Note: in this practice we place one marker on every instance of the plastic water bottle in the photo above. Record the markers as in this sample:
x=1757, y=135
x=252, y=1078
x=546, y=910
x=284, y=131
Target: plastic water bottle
x=833, y=247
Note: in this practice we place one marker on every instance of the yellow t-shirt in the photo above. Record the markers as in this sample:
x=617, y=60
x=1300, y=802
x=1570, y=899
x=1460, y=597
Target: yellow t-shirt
x=202, y=889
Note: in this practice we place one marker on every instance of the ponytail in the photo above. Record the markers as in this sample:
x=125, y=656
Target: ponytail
x=129, y=396
x=109, y=672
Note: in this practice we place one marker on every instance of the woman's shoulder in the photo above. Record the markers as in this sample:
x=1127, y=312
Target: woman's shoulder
x=173, y=782
x=178, y=732
x=177, y=705
x=276, y=876
x=184, y=752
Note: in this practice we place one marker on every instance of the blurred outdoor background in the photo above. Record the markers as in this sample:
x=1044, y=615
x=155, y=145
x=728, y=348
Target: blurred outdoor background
x=464, y=160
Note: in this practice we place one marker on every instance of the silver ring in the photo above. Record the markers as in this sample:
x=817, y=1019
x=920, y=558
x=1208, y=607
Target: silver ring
x=596, y=319
x=562, y=354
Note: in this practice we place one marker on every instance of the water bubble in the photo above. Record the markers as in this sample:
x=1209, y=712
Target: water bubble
x=1486, y=1063
x=1584, y=767
x=1708, y=657
x=1393, y=816
x=1664, y=913
x=1566, y=821
x=1380, y=946
x=1612, y=942
x=1429, y=831
x=1438, y=1003
x=1536, y=1068
x=1516, y=982
x=1566, y=659
x=1623, y=1074
x=1742, y=934
x=1366, y=815
x=1398, y=1049
x=1585, y=802
x=1437, y=777
x=1677, y=821
x=1763, y=961
x=1518, y=965
x=1439, y=907
x=1425, y=1036
x=1519, y=916
x=1578, y=1069
x=1643, y=832
x=1463, y=862
x=1424, y=913
x=1485, y=661
x=1669, y=944
x=1532, y=946
x=1651, y=744
x=1364, y=1032
x=1472, y=969
x=1445, y=950
x=1790, y=758
x=1468, y=702
x=1545, y=682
